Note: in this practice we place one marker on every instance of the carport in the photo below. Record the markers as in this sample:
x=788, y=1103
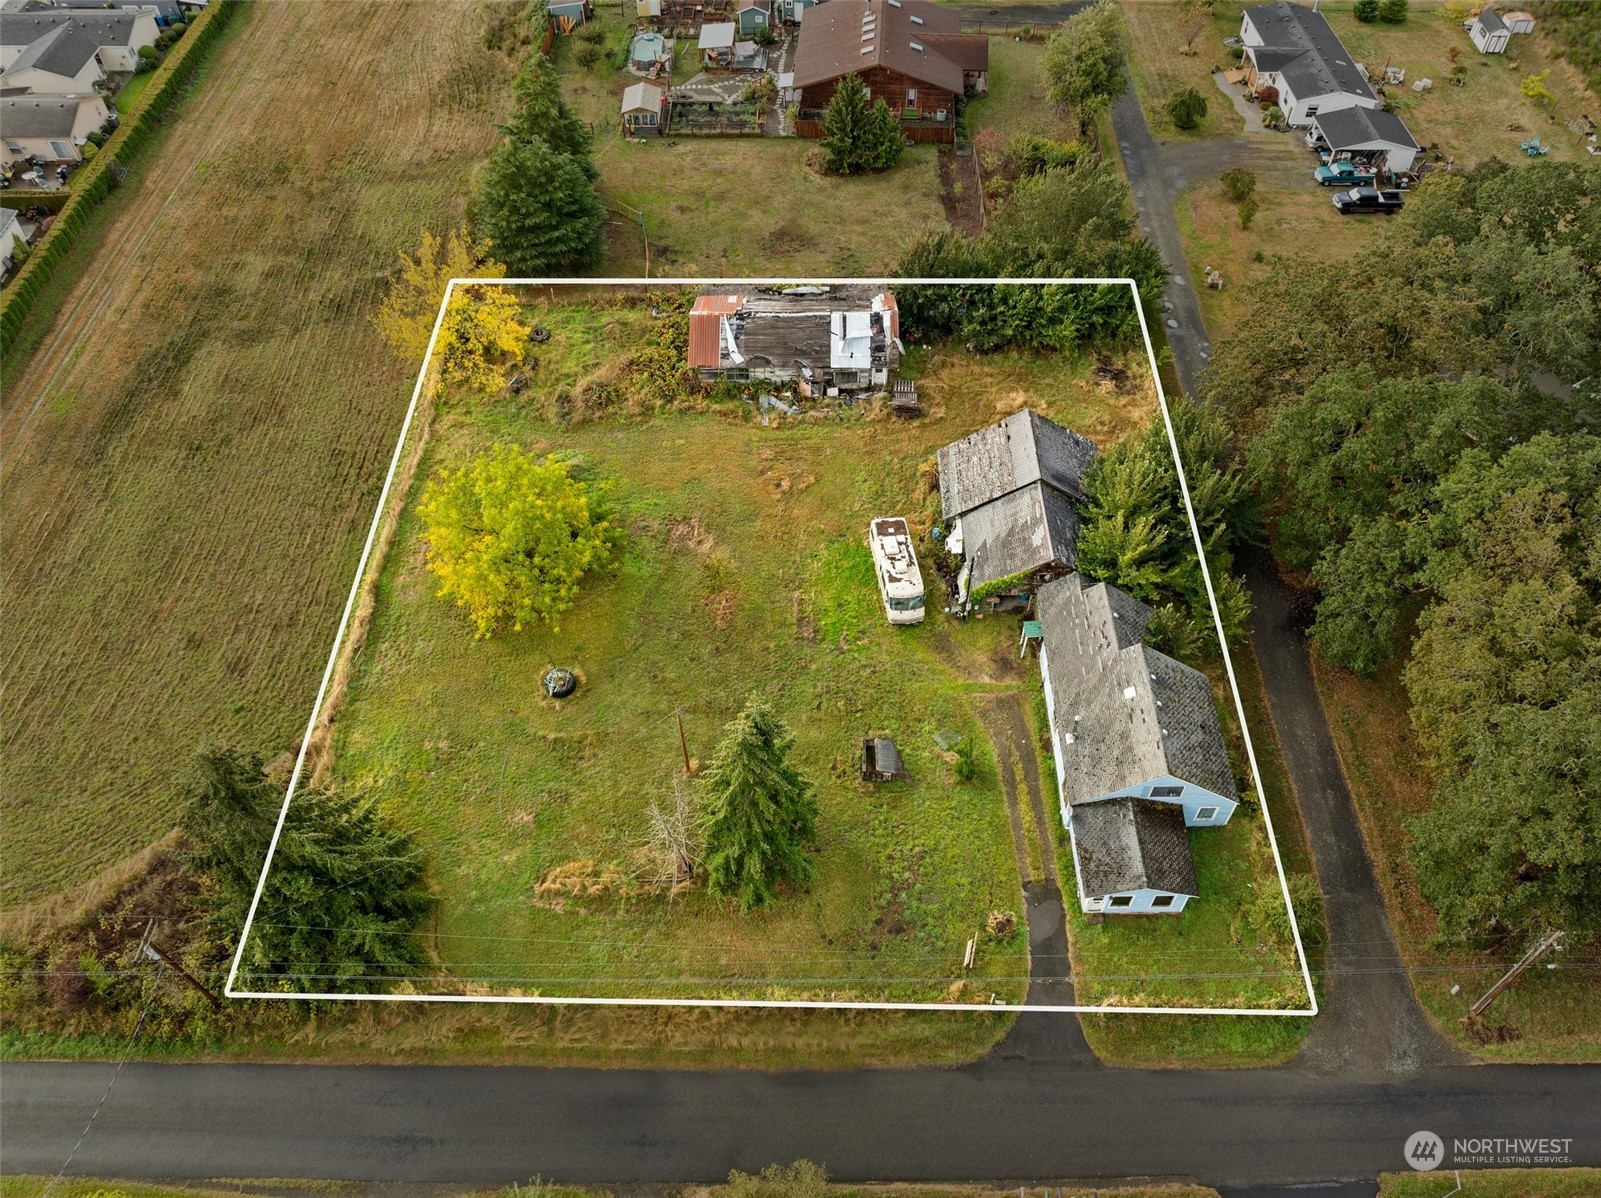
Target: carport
x=1366, y=135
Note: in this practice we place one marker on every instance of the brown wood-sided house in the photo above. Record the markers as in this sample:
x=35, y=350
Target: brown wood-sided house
x=911, y=54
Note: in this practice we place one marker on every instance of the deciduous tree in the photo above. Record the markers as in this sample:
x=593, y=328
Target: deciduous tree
x=510, y=536
x=406, y=317
x=481, y=332
x=1086, y=62
x=1185, y=108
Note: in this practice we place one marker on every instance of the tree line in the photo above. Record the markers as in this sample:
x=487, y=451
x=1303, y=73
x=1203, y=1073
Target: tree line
x=1420, y=422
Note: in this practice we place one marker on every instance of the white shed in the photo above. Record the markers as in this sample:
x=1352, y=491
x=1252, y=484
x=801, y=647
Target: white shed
x=1489, y=32
x=1519, y=22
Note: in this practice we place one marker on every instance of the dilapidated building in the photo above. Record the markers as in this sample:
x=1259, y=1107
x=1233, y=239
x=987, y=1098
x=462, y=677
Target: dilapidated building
x=824, y=340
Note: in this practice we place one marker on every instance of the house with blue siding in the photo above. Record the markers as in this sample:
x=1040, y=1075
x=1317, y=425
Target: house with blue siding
x=1140, y=757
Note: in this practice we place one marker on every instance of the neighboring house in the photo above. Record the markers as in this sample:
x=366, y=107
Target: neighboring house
x=1134, y=729
x=166, y=11
x=50, y=127
x=643, y=107
x=116, y=37
x=1008, y=492
x=1489, y=32
x=1293, y=50
x=753, y=15
x=824, y=340
x=62, y=61
x=11, y=237
x=792, y=11
x=911, y=54
x=1370, y=136
x=716, y=44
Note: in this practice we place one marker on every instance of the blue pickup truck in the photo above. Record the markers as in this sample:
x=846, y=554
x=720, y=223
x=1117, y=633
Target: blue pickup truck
x=1343, y=174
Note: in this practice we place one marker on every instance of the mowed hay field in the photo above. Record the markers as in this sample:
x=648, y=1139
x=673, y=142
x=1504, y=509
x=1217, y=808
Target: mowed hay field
x=193, y=449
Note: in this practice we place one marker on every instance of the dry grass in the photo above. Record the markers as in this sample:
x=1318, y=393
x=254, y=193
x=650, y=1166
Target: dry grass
x=195, y=445
x=1160, y=68
x=1469, y=123
x=1548, y=1015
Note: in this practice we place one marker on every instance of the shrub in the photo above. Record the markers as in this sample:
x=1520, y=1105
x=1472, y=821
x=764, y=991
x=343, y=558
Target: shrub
x=1366, y=11
x=148, y=53
x=966, y=751
x=1248, y=209
x=90, y=149
x=1185, y=108
x=1534, y=87
x=1030, y=153
x=1238, y=184
x=587, y=55
x=178, y=29
x=593, y=34
x=1392, y=12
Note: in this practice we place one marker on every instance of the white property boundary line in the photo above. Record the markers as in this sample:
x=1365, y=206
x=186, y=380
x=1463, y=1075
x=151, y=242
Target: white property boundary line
x=361, y=569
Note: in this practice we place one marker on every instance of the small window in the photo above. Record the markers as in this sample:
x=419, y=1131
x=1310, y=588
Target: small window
x=1166, y=792
x=1122, y=900
x=1203, y=814
x=911, y=97
x=1161, y=902
x=917, y=20
x=1311, y=110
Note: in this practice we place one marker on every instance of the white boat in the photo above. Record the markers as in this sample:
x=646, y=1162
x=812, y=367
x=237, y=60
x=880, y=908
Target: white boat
x=900, y=582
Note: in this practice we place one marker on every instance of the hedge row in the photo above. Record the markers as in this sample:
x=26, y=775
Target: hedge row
x=96, y=178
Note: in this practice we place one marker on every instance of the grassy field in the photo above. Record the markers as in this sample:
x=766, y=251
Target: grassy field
x=193, y=446
x=1161, y=67
x=732, y=206
x=744, y=571
x=1493, y=1183
x=1016, y=101
x=1549, y=1015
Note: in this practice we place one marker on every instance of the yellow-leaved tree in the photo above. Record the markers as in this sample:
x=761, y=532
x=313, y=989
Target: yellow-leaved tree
x=482, y=332
x=510, y=535
x=406, y=317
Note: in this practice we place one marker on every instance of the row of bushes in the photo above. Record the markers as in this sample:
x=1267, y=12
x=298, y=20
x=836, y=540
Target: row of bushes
x=99, y=176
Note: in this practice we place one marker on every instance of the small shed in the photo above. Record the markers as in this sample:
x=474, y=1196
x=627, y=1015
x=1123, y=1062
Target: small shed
x=643, y=106
x=717, y=43
x=568, y=15
x=1519, y=22
x=903, y=398
x=748, y=56
x=752, y=15
x=1489, y=32
x=881, y=760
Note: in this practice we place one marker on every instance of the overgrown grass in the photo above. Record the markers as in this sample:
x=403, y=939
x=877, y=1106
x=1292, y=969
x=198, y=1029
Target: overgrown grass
x=1160, y=68
x=743, y=571
x=1493, y=1183
x=1549, y=1014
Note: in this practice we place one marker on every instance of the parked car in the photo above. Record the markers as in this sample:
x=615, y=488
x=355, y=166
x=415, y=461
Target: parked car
x=1367, y=199
x=1342, y=173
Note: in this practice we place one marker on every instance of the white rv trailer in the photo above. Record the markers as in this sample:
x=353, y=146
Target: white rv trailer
x=900, y=582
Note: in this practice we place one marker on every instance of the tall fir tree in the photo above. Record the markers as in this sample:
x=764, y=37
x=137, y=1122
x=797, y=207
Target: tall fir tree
x=859, y=135
x=543, y=113
x=538, y=209
x=759, y=813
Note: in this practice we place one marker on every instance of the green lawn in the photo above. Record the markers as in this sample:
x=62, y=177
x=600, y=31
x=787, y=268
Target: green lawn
x=743, y=571
x=131, y=91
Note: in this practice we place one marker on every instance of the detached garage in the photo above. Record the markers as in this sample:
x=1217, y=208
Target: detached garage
x=1366, y=135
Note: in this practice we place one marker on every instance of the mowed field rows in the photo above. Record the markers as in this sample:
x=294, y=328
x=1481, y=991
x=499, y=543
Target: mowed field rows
x=194, y=448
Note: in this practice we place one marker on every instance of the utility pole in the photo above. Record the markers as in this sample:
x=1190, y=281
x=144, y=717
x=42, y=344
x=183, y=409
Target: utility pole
x=155, y=954
x=683, y=744
x=1552, y=940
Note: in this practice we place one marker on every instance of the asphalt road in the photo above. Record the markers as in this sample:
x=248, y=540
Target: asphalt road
x=996, y=1119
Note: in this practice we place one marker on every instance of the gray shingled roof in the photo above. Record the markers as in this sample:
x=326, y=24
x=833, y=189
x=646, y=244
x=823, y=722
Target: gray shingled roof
x=1022, y=449
x=1132, y=844
x=1023, y=531
x=107, y=27
x=1348, y=127
x=1132, y=713
x=41, y=116
x=1320, y=64
x=1490, y=21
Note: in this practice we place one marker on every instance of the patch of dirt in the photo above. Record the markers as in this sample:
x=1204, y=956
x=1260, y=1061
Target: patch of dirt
x=893, y=917
x=689, y=533
x=722, y=608
x=805, y=626
x=959, y=192
x=582, y=879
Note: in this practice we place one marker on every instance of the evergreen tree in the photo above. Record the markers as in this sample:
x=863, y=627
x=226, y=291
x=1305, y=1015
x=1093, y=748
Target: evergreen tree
x=759, y=813
x=538, y=209
x=544, y=114
x=857, y=135
x=344, y=893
